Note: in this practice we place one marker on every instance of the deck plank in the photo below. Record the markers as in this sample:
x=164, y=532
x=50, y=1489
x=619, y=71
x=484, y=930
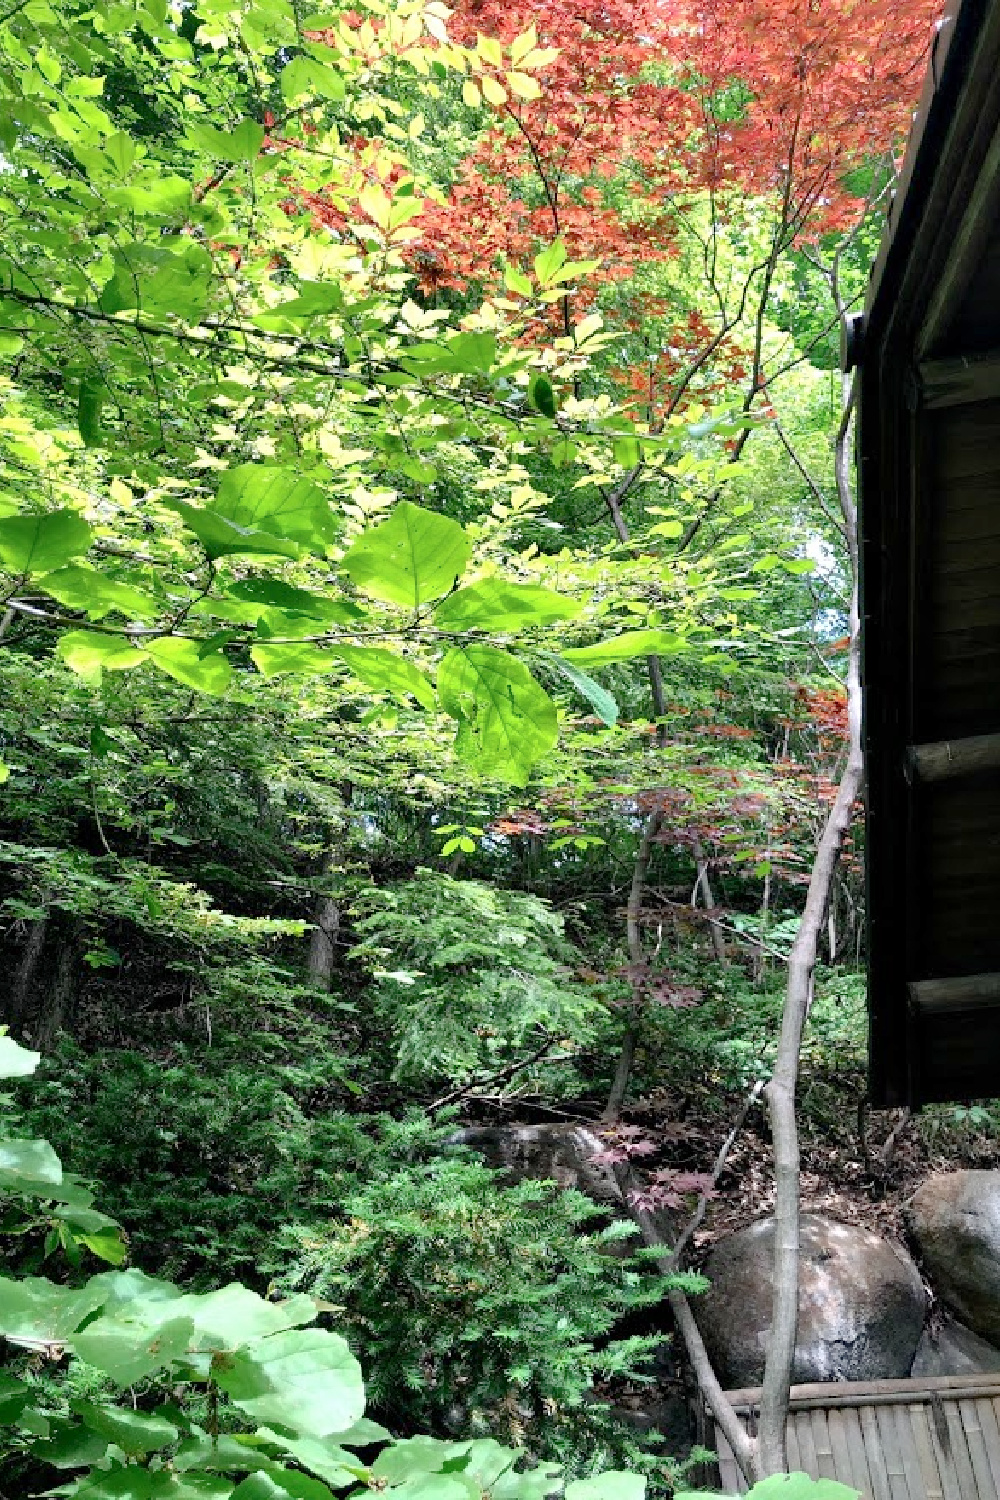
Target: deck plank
x=977, y=1451
x=857, y=1471
x=825, y=1468
x=960, y=1450
x=876, y=1458
x=807, y=1445
x=991, y=1434
x=933, y=1483
x=842, y=1465
x=885, y=1419
x=908, y=1451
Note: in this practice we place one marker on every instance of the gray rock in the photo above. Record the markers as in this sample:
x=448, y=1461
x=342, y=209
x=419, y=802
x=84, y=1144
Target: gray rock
x=955, y=1350
x=955, y=1218
x=556, y=1153
x=861, y=1305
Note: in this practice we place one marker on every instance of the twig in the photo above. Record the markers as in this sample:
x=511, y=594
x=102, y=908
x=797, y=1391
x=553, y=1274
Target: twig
x=694, y=1223
x=502, y=1075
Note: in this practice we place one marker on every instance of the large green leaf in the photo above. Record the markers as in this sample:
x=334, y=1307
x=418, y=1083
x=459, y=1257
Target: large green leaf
x=28, y=1162
x=496, y=605
x=266, y=497
x=414, y=556
x=293, y=656
x=129, y=1347
x=135, y=1483
x=221, y=537
x=614, y=1484
x=324, y=1457
x=37, y=1311
x=159, y=282
x=275, y=1483
x=135, y=1432
x=81, y=587
x=624, y=647
x=506, y=721
x=306, y=1380
x=88, y=654
x=16, y=1061
x=417, y=1455
x=37, y=544
x=240, y=144
x=387, y=672
x=183, y=661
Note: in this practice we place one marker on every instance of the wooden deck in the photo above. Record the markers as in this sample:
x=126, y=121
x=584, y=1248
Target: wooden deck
x=931, y=1439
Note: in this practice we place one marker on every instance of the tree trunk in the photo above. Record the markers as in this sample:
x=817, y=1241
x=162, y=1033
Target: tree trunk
x=704, y=880
x=26, y=977
x=56, y=1006
x=326, y=915
x=780, y=1091
x=619, y=1087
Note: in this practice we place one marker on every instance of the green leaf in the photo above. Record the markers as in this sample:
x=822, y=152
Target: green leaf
x=33, y=1161
x=408, y=1457
x=134, y=1483
x=221, y=537
x=16, y=1061
x=88, y=654
x=36, y=544
x=414, y=556
x=615, y=1484
x=36, y=1311
x=14, y=1397
x=275, y=594
x=624, y=647
x=386, y=672
x=183, y=661
x=799, y=1486
x=130, y=1347
x=306, y=1380
x=296, y=656
x=89, y=407
x=266, y=497
x=159, y=282
x=549, y=261
x=106, y=1244
x=506, y=721
x=274, y=1483
x=323, y=1457
x=305, y=75
x=599, y=698
x=72, y=1448
x=134, y=1432
x=496, y=605
x=541, y=395
x=241, y=144
x=81, y=587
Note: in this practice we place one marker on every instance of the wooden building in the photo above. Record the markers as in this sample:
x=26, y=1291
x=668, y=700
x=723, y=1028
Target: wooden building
x=928, y=354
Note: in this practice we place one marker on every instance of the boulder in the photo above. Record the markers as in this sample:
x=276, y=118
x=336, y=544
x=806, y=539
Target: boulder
x=861, y=1305
x=557, y=1153
x=954, y=1349
x=955, y=1219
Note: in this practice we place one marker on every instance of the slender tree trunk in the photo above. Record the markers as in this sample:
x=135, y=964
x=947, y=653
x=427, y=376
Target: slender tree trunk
x=619, y=1086
x=27, y=976
x=326, y=915
x=780, y=1091
x=326, y=927
x=704, y=880
x=56, y=1006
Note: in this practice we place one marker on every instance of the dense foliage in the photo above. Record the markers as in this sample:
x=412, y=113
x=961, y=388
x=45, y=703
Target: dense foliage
x=422, y=626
